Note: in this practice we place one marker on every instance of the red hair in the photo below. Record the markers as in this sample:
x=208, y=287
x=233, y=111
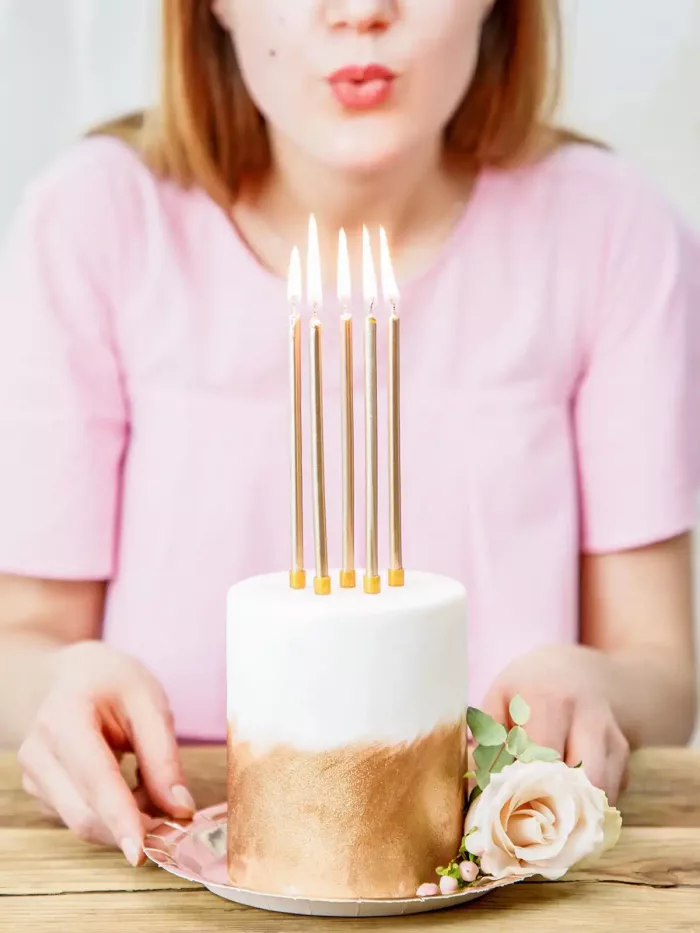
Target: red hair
x=207, y=131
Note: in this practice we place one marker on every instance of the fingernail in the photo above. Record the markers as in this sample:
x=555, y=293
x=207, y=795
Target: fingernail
x=132, y=851
x=182, y=798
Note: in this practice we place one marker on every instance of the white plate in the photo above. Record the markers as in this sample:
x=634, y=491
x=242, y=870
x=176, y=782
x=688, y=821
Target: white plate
x=197, y=853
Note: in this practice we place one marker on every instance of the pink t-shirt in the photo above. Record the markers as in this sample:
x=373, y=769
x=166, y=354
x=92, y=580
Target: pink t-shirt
x=550, y=403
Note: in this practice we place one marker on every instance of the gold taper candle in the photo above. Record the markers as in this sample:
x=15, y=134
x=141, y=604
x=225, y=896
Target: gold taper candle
x=297, y=574
x=391, y=295
x=372, y=581
x=348, y=576
x=322, y=581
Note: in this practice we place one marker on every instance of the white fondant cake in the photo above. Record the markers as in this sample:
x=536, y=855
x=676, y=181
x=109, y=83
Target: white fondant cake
x=347, y=735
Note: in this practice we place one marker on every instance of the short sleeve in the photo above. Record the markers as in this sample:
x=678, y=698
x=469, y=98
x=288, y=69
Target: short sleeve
x=62, y=411
x=637, y=408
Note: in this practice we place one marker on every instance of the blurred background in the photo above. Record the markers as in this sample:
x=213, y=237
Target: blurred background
x=632, y=79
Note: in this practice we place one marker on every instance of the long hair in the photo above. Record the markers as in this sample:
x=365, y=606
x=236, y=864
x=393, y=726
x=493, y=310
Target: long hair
x=206, y=130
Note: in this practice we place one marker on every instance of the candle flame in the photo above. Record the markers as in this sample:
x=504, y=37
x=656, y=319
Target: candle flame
x=294, y=278
x=343, y=269
x=369, y=278
x=389, y=287
x=313, y=268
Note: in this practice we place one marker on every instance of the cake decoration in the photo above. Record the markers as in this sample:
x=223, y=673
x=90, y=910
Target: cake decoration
x=372, y=580
x=322, y=580
x=528, y=813
x=297, y=575
x=348, y=575
x=348, y=715
x=314, y=290
x=391, y=295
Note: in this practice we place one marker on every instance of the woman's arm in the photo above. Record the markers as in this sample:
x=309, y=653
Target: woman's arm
x=36, y=618
x=631, y=680
x=72, y=706
x=637, y=611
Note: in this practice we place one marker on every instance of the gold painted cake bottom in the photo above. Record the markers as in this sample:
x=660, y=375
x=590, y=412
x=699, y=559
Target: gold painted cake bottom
x=365, y=821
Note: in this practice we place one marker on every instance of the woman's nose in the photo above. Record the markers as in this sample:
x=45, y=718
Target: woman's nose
x=361, y=15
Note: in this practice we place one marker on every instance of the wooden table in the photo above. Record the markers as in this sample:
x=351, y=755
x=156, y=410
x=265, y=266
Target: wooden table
x=650, y=881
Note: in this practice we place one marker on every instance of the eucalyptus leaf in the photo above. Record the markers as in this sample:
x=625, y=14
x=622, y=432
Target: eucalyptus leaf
x=483, y=779
x=517, y=741
x=486, y=731
x=485, y=756
x=519, y=710
x=539, y=753
x=503, y=760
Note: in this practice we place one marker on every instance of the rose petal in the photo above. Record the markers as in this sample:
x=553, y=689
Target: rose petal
x=538, y=818
x=525, y=830
x=612, y=825
x=500, y=834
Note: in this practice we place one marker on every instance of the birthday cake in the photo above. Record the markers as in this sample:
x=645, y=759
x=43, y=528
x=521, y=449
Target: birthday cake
x=347, y=736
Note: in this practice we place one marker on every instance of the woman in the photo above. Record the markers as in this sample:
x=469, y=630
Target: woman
x=548, y=401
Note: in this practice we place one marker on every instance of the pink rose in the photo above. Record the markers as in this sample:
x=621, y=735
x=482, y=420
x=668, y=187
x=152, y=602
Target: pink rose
x=539, y=818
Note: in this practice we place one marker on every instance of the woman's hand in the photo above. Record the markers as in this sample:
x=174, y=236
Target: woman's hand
x=565, y=689
x=101, y=704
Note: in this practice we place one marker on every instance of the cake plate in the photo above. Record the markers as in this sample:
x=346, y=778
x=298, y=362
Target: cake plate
x=196, y=852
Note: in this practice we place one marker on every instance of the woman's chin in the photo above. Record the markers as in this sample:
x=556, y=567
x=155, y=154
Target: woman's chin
x=361, y=149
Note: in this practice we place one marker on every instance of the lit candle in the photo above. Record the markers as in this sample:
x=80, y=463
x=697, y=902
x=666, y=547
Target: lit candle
x=391, y=295
x=372, y=582
x=297, y=575
x=347, y=423
x=322, y=581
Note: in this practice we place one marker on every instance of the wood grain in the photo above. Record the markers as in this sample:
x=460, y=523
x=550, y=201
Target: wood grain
x=644, y=856
x=651, y=881
x=570, y=907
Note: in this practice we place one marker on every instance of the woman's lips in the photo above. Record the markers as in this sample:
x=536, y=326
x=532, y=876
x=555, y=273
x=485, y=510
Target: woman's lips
x=361, y=88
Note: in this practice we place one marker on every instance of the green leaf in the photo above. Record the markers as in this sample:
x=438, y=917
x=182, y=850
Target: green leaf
x=490, y=760
x=517, y=741
x=503, y=761
x=476, y=792
x=519, y=711
x=483, y=779
x=486, y=731
x=470, y=776
x=485, y=755
x=579, y=765
x=452, y=871
x=539, y=753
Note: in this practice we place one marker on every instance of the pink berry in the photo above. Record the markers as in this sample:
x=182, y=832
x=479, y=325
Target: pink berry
x=448, y=885
x=468, y=871
x=427, y=890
